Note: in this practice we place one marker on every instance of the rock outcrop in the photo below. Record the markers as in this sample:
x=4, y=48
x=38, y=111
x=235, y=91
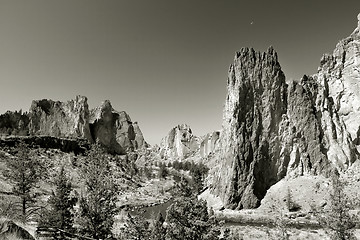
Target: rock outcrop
x=103, y=127
x=179, y=144
x=60, y=119
x=72, y=119
x=77, y=146
x=209, y=144
x=338, y=100
x=115, y=129
x=272, y=129
x=250, y=146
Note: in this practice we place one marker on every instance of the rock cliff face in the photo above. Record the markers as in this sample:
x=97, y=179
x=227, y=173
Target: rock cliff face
x=115, y=129
x=60, y=119
x=209, y=144
x=338, y=100
x=272, y=129
x=103, y=129
x=250, y=146
x=179, y=143
x=73, y=119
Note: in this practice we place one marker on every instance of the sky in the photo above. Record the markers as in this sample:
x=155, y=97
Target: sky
x=164, y=62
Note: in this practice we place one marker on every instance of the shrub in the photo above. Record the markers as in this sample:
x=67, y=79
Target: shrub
x=338, y=219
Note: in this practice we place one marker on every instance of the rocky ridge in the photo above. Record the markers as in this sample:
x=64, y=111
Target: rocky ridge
x=272, y=129
x=73, y=119
x=60, y=119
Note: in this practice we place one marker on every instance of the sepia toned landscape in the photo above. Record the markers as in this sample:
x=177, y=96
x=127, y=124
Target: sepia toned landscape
x=284, y=162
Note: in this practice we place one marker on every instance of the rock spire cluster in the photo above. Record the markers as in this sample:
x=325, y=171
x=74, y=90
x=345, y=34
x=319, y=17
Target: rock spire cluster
x=273, y=128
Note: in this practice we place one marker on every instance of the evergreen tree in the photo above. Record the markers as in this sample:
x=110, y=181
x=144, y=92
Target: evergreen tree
x=197, y=173
x=136, y=228
x=98, y=203
x=184, y=189
x=61, y=203
x=163, y=171
x=188, y=218
x=338, y=219
x=158, y=231
x=24, y=172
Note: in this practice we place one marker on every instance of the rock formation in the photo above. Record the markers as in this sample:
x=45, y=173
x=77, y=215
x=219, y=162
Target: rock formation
x=103, y=128
x=179, y=143
x=77, y=146
x=60, y=119
x=250, y=146
x=72, y=119
x=272, y=129
x=209, y=144
x=115, y=129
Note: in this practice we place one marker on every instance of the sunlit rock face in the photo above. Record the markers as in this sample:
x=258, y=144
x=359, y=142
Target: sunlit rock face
x=60, y=119
x=338, y=78
x=249, y=143
x=272, y=129
x=209, y=144
x=72, y=119
x=179, y=144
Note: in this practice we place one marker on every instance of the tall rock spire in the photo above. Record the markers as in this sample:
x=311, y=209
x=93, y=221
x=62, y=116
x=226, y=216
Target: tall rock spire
x=272, y=129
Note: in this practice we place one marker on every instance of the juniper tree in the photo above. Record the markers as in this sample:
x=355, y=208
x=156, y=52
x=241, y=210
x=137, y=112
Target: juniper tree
x=24, y=172
x=338, y=219
x=60, y=214
x=136, y=228
x=98, y=202
x=158, y=231
x=188, y=218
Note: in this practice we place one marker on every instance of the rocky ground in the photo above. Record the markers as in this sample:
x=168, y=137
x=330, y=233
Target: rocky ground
x=309, y=193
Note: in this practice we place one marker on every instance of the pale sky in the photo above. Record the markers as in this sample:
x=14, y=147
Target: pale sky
x=164, y=62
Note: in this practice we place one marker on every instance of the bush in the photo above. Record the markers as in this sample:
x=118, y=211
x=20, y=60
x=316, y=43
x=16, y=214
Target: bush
x=188, y=218
x=97, y=206
x=291, y=205
x=338, y=220
x=163, y=171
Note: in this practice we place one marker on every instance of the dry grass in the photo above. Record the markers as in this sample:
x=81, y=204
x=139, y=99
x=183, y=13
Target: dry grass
x=254, y=232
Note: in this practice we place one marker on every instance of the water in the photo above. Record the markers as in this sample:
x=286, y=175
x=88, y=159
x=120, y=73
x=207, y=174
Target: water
x=148, y=212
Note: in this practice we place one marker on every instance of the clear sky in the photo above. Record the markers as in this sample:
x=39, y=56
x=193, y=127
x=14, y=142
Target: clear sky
x=164, y=62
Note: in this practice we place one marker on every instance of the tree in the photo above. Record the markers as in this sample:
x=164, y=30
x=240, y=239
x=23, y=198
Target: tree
x=183, y=188
x=188, y=218
x=61, y=203
x=98, y=204
x=136, y=228
x=197, y=173
x=24, y=172
x=291, y=205
x=158, y=231
x=163, y=171
x=338, y=219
